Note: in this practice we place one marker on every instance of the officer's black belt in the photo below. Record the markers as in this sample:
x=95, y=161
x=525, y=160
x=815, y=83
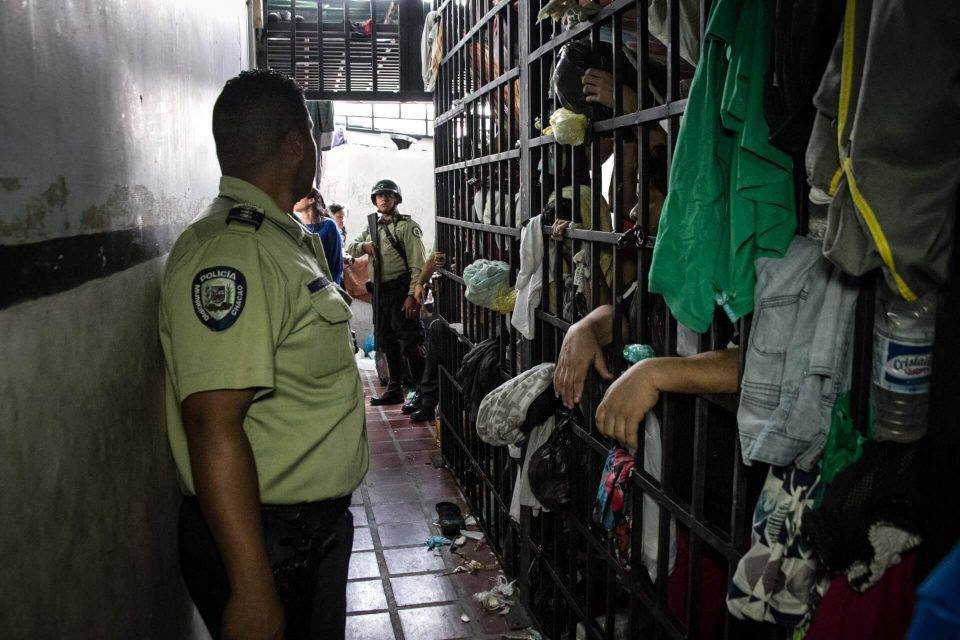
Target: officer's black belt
x=317, y=511
x=396, y=281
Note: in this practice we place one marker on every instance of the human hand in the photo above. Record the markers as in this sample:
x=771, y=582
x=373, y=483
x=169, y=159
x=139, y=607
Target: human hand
x=410, y=307
x=439, y=259
x=627, y=402
x=580, y=348
x=368, y=248
x=418, y=293
x=559, y=229
x=255, y=614
x=598, y=87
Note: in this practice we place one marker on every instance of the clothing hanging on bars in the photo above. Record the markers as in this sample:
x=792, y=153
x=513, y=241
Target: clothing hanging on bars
x=892, y=187
x=731, y=196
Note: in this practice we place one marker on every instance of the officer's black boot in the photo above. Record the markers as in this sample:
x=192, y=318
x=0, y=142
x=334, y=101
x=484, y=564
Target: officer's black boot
x=393, y=395
x=394, y=392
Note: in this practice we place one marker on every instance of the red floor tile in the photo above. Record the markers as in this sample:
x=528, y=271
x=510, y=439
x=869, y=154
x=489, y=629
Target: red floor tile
x=382, y=447
x=414, y=560
x=379, y=435
x=404, y=534
x=364, y=565
x=419, y=457
x=420, y=444
x=492, y=623
x=396, y=475
x=412, y=433
x=366, y=595
x=362, y=540
x=434, y=623
x=359, y=516
x=405, y=492
x=398, y=512
x=426, y=471
x=439, y=489
x=429, y=589
x=385, y=461
x=373, y=626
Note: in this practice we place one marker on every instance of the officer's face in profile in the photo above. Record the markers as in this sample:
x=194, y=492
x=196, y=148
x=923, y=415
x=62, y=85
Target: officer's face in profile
x=386, y=202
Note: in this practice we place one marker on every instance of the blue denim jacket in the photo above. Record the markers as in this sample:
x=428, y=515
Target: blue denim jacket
x=798, y=356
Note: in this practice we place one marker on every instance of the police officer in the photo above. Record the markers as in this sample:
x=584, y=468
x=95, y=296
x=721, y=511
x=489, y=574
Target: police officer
x=264, y=404
x=397, y=255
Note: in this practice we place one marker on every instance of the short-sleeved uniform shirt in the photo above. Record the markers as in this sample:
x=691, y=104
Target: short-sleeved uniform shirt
x=406, y=232
x=248, y=303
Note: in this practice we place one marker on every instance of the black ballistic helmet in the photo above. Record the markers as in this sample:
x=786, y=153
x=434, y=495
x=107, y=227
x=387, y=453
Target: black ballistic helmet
x=385, y=186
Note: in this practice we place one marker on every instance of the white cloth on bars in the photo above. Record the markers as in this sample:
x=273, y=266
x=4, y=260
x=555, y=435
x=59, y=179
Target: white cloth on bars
x=529, y=281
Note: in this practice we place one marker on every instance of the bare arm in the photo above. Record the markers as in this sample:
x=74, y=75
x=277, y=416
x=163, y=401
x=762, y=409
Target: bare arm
x=634, y=393
x=583, y=346
x=225, y=478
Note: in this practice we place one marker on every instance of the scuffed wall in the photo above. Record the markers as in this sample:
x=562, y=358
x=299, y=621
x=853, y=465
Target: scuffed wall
x=106, y=155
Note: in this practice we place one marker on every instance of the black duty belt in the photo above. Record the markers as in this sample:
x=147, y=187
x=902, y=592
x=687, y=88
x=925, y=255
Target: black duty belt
x=322, y=509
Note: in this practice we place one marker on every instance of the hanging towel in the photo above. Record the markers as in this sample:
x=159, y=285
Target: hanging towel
x=529, y=282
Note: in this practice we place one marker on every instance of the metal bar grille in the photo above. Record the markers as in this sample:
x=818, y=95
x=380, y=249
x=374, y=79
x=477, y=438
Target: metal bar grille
x=494, y=171
x=343, y=49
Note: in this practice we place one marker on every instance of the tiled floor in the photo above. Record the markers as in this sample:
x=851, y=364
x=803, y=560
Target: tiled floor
x=396, y=589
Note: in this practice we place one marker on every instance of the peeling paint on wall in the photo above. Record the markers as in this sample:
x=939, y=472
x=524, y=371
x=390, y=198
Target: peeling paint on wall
x=125, y=207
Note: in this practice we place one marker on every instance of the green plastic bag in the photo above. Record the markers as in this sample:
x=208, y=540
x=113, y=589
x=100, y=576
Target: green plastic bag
x=844, y=444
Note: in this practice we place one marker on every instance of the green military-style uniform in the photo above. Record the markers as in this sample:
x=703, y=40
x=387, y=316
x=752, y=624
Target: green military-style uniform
x=405, y=231
x=247, y=302
x=398, y=337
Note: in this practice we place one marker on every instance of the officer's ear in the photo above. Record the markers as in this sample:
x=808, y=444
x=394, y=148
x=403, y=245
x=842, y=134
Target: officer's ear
x=294, y=144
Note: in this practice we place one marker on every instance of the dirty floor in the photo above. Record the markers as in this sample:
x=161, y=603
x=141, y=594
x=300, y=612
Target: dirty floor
x=395, y=590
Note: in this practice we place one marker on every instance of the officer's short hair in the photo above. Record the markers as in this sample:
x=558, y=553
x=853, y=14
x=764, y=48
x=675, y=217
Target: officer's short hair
x=251, y=116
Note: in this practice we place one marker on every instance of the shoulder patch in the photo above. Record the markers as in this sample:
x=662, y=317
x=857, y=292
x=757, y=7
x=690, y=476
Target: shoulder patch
x=417, y=231
x=318, y=284
x=219, y=294
x=246, y=214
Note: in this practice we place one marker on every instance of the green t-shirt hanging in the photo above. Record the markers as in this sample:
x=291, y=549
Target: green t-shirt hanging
x=731, y=195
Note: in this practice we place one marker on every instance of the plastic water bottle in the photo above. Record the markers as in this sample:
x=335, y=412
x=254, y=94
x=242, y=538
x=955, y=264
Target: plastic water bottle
x=902, y=363
x=634, y=353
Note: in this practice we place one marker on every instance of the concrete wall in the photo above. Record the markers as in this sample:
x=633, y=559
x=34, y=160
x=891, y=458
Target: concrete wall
x=106, y=155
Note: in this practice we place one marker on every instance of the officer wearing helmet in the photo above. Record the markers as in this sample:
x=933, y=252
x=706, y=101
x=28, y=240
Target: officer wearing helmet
x=395, y=246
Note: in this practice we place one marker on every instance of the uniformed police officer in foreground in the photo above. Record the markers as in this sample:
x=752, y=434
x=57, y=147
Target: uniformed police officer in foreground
x=264, y=404
x=396, y=254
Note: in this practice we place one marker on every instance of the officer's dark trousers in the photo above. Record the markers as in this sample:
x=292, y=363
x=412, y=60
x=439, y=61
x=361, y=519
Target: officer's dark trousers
x=400, y=338
x=308, y=546
x=430, y=382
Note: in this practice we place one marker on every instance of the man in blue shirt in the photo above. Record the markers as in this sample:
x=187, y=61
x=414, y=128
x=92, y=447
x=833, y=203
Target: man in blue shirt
x=312, y=212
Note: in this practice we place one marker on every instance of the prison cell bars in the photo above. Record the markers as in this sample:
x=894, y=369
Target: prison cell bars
x=484, y=137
